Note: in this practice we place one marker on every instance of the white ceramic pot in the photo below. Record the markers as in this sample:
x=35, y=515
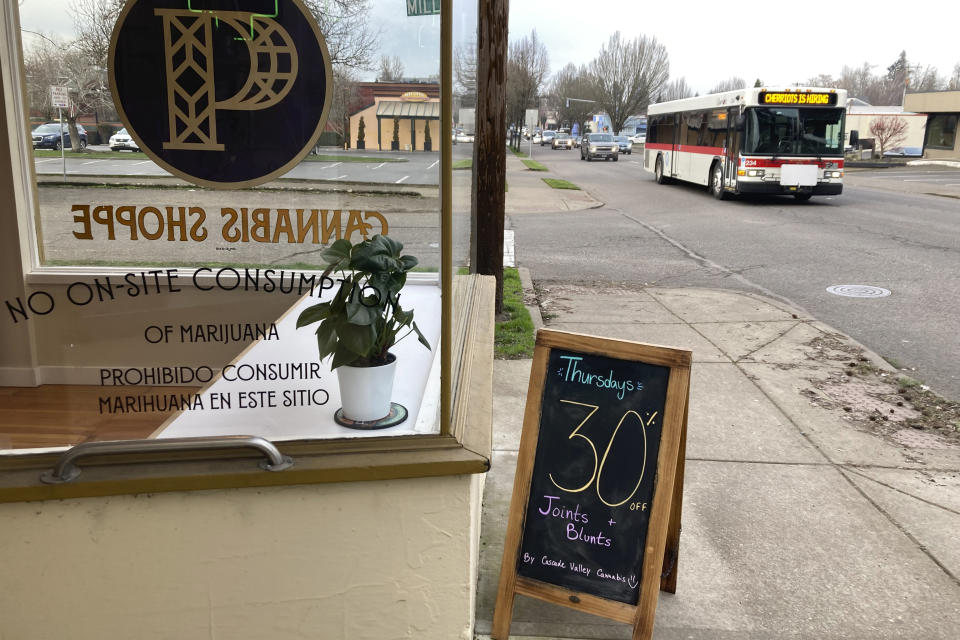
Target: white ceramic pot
x=366, y=391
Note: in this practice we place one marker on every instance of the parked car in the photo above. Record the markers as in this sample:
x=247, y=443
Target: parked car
x=904, y=152
x=639, y=138
x=47, y=136
x=547, y=137
x=121, y=141
x=599, y=145
x=562, y=141
x=576, y=141
x=625, y=144
x=463, y=136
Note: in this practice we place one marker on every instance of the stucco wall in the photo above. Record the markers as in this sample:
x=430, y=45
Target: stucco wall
x=936, y=102
x=386, y=131
x=352, y=561
x=916, y=127
x=933, y=102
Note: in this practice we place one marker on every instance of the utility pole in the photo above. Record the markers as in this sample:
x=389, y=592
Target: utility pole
x=489, y=149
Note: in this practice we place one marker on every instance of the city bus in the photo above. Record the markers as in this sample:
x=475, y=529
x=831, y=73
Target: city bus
x=753, y=140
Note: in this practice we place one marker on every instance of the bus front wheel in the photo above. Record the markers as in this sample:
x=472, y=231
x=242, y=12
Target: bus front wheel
x=716, y=182
x=802, y=196
x=658, y=171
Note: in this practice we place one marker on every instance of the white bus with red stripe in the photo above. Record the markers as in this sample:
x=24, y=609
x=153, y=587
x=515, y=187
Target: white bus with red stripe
x=755, y=140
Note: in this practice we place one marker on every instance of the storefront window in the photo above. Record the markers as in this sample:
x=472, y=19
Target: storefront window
x=212, y=154
x=942, y=130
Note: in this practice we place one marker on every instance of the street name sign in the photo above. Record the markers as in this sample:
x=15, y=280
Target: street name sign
x=423, y=7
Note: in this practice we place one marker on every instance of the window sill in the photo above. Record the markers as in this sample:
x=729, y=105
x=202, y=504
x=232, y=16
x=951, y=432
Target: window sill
x=465, y=451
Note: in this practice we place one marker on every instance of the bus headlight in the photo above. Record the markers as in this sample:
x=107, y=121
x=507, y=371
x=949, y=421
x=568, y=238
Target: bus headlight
x=755, y=173
x=833, y=174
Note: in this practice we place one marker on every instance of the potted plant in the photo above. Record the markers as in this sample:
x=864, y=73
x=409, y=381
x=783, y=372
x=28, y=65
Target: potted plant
x=360, y=324
x=395, y=143
x=361, y=136
x=427, y=142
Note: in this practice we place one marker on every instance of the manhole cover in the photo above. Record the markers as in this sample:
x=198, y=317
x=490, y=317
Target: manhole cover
x=920, y=440
x=858, y=291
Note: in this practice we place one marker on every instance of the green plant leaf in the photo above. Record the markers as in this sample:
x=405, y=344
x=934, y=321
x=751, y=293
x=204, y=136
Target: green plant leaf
x=408, y=262
x=422, y=338
x=338, y=252
x=316, y=313
x=343, y=356
x=326, y=339
x=359, y=339
x=362, y=314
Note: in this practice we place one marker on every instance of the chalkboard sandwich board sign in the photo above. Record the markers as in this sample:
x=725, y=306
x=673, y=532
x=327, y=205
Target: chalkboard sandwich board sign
x=595, y=516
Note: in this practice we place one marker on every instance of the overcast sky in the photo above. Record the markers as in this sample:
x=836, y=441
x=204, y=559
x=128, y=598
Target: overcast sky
x=781, y=43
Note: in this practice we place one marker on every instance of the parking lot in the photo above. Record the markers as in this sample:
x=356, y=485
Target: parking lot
x=931, y=179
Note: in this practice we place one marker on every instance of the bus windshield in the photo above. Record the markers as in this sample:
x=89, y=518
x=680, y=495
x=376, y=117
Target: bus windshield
x=785, y=131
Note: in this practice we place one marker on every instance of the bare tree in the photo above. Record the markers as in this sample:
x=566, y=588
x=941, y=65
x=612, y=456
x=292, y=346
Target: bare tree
x=344, y=24
x=730, y=84
x=465, y=73
x=527, y=67
x=49, y=63
x=889, y=131
x=953, y=84
x=391, y=69
x=93, y=22
x=341, y=102
x=675, y=90
x=627, y=74
x=571, y=94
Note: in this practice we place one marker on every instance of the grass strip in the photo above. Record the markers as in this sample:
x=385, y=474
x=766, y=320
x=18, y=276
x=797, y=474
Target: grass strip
x=560, y=184
x=514, y=333
x=517, y=152
x=533, y=165
x=466, y=163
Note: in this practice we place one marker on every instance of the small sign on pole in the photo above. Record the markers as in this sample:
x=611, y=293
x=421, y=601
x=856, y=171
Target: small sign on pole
x=60, y=97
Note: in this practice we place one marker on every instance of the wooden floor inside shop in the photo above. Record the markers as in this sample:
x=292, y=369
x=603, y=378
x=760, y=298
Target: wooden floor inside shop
x=64, y=415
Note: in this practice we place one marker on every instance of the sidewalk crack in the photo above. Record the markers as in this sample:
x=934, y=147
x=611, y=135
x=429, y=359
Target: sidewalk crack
x=854, y=470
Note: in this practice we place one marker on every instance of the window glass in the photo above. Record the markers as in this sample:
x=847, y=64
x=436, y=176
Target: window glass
x=790, y=131
x=166, y=282
x=661, y=129
x=692, y=123
x=942, y=130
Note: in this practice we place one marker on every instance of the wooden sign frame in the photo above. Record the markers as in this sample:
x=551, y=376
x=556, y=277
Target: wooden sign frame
x=659, y=565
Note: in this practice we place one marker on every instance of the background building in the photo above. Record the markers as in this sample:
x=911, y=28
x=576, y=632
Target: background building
x=415, y=105
x=942, y=109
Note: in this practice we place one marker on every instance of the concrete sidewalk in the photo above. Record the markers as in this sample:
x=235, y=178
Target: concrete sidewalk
x=812, y=509
x=528, y=193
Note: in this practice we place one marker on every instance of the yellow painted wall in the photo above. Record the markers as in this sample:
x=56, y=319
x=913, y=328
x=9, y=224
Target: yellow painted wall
x=351, y=561
x=386, y=132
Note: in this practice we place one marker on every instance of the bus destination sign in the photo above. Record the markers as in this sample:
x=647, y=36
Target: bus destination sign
x=798, y=98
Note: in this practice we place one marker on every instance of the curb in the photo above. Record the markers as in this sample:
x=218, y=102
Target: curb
x=529, y=293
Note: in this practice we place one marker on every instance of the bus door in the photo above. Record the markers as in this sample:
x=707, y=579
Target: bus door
x=734, y=139
x=677, y=141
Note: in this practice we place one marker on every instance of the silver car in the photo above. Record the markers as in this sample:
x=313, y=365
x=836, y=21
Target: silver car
x=599, y=145
x=625, y=144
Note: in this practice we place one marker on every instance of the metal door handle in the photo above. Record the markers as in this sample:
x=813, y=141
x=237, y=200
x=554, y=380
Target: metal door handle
x=66, y=469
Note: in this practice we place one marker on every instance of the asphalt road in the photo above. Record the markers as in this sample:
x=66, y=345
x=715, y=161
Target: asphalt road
x=676, y=235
